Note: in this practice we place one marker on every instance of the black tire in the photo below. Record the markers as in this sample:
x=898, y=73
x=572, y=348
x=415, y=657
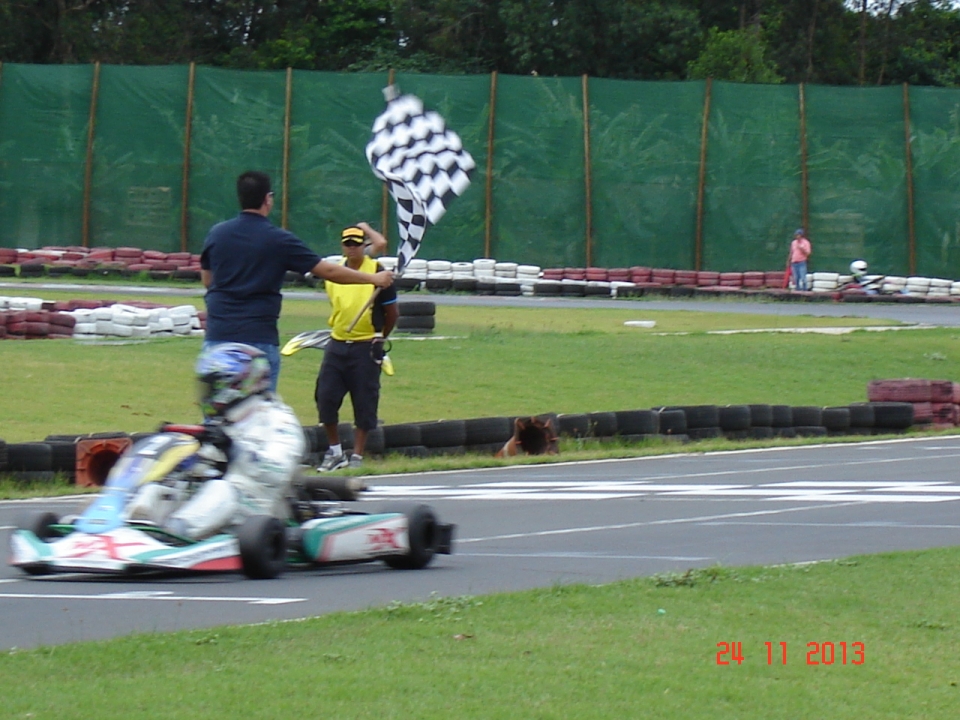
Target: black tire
x=488, y=430
x=573, y=425
x=548, y=289
x=734, y=417
x=704, y=433
x=886, y=415
x=416, y=323
x=375, y=442
x=443, y=433
x=401, y=435
x=465, y=285
x=263, y=547
x=407, y=284
x=836, y=418
x=761, y=415
x=40, y=524
x=807, y=416
x=29, y=456
x=508, y=289
x=861, y=416
x=672, y=422
x=417, y=308
x=602, y=424
x=700, y=416
x=3, y=455
x=781, y=416
x=637, y=422
x=438, y=284
x=63, y=456
x=422, y=535
x=763, y=432
x=311, y=435
x=810, y=430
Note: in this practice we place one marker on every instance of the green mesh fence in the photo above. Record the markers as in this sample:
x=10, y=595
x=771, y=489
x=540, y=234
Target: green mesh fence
x=753, y=184
x=238, y=125
x=464, y=102
x=857, y=175
x=331, y=185
x=539, y=192
x=44, y=113
x=644, y=148
x=935, y=147
x=137, y=192
x=645, y=159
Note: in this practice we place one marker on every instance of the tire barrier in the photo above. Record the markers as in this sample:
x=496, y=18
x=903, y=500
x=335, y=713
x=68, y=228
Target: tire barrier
x=34, y=318
x=416, y=317
x=95, y=458
x=936, y=403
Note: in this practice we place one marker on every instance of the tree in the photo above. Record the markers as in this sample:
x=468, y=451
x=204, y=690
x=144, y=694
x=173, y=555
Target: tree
x=736, y=55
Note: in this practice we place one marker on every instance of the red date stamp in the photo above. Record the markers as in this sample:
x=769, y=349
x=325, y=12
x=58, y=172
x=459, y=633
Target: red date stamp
x=818, y=653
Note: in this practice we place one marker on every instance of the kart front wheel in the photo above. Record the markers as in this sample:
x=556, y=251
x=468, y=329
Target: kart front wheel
x=40, y=524
x=263, y=547
x=422, y=534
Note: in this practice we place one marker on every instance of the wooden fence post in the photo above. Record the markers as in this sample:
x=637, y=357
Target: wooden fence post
x=701, y=180
x=185, y=180
x=88, y=167
x=488, y=212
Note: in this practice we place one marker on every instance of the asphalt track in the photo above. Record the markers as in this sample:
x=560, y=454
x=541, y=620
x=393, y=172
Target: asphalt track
x=536, y=526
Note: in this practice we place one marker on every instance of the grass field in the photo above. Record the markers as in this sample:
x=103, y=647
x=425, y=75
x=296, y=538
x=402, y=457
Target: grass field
x=502, y=361
x=639, y=648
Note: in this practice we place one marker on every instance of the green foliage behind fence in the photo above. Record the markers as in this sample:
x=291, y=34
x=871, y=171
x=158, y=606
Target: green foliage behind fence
x=570, y=172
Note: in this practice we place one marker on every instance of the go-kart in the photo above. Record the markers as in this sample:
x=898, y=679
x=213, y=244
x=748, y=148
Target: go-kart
x=319, y=530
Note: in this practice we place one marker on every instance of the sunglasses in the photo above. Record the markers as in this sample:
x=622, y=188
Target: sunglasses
x=352, y=243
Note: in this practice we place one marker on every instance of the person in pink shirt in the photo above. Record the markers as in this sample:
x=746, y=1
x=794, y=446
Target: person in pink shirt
x=800, y=250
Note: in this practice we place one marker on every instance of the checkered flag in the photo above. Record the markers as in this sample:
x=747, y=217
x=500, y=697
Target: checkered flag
x=422, y=162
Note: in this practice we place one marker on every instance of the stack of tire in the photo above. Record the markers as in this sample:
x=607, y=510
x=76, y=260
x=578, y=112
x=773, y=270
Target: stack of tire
x=417, y=317
x=935, y=403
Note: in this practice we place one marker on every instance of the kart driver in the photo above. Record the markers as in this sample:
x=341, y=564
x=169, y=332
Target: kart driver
x=260, y=436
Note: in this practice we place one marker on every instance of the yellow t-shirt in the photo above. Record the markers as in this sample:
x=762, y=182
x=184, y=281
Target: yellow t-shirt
x=346, y=301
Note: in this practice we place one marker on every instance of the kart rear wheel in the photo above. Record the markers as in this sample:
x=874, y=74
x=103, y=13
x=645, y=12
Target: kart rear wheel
x=263, y=547
x=422, y=534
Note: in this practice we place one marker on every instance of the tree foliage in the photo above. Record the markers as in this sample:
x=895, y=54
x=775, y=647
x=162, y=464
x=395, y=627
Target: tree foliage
x=822, y=41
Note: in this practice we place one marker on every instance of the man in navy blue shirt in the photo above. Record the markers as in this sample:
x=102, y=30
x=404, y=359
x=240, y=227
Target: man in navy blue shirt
x=243, y=265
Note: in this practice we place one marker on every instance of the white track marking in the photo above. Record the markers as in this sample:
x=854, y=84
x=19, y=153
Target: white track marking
x=644, y=523
x=825, y=491
x=592, y=556
x=161, y=595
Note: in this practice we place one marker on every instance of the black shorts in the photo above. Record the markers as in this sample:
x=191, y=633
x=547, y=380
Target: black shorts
x=348, y=368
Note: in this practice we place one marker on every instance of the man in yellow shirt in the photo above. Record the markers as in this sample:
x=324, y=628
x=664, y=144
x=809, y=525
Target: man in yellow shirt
x=352, y=359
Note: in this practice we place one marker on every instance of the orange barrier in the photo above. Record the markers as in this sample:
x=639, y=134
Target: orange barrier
x=95, y=457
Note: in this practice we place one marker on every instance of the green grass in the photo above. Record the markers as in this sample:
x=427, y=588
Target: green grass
x=503, y=361
x=638, y=648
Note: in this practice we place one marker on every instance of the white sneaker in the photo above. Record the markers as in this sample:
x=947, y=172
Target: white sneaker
x=356, y=461
x=333, y=462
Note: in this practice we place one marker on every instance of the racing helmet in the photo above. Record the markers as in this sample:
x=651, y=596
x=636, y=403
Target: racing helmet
x=858, y=267
x=228, y=374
